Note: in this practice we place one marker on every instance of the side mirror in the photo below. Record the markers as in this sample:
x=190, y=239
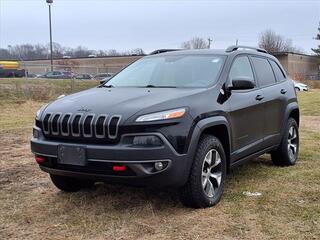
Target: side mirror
x=242, y=84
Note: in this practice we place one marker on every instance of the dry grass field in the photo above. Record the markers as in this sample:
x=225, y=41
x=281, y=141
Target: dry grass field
x=32, y=208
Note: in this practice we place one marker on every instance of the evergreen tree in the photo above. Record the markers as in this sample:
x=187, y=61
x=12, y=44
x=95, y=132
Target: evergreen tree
x=317, y=50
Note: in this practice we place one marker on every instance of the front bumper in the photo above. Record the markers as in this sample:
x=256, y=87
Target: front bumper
x=139, y=162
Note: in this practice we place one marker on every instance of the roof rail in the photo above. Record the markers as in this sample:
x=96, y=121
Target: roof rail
x=158, y=51
x=236, y=47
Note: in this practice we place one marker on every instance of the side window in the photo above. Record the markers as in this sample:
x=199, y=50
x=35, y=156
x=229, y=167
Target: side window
x=241, y=68
x=264, y=71
x=277, y=71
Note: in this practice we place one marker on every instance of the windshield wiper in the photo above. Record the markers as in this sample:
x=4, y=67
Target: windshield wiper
x=107, y=86
x=161, y=86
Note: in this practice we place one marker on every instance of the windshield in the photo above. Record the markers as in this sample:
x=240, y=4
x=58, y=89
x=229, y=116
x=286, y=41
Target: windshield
x=170, y=71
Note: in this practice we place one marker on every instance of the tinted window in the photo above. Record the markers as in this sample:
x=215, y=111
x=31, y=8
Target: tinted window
x=277, y=71
x=264, y=71
x=241, y=68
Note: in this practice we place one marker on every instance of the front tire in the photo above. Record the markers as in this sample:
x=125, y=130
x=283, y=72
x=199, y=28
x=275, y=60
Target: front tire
x=288, y=150
x=205, y=185
x=68, y=184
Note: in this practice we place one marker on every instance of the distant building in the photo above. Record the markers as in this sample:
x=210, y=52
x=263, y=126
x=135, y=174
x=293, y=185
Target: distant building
x=300, y=66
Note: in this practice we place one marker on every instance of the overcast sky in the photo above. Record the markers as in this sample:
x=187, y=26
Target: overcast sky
x=150, y=25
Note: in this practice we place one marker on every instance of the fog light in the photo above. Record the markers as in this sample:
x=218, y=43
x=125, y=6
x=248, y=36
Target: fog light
x=158, y=166
x=147, y=141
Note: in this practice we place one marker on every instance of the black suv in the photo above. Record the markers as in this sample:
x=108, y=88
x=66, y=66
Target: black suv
x=178, y=118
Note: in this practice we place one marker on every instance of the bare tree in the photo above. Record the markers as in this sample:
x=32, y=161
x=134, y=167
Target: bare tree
x=5, y=54
x=273, y=42
x=195, y=43
x=101, y=53
x=113, y=52
x=81, y=51
x=39, y=51
x=57, y=50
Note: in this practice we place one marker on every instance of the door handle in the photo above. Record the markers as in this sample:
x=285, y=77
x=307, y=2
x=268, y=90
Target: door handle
x=283, y=91
x=259, y=97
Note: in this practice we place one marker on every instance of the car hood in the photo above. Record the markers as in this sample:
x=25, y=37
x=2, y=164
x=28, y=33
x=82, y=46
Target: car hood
x=121, y=101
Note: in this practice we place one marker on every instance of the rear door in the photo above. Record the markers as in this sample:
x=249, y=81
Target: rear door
x=246, y=112
x=274, y=92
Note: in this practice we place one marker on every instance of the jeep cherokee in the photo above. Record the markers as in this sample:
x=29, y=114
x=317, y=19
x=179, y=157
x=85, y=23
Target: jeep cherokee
x=172, y=119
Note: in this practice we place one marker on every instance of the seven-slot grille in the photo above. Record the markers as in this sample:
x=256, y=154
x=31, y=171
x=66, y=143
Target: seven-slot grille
x=81, y=125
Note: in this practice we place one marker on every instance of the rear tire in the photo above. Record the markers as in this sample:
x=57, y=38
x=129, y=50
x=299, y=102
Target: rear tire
x=205, y=185
x=68, y=184
x=288, y=150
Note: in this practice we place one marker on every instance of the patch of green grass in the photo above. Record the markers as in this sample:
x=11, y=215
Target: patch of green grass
x=309, y=102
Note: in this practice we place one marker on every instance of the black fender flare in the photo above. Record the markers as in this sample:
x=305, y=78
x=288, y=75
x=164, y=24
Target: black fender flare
x=290, y=107
x=199, y=128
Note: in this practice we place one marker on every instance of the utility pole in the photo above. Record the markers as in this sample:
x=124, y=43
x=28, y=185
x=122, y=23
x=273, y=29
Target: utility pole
x=209, y=41
x=50, y=29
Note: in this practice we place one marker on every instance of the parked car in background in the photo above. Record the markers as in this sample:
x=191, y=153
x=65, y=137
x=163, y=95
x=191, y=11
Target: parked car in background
x=83, y=76
x=300, y=86
x=92, y=56
x=59, y=75
x=32, y=75
x=66, y=57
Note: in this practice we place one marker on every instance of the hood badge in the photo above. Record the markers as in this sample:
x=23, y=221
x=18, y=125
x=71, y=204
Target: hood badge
x=83, y=109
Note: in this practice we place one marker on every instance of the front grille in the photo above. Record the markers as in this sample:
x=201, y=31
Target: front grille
x=79, y=125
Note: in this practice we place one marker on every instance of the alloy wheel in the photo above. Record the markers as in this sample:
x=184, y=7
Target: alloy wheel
x=211, y=173
x=292, y=142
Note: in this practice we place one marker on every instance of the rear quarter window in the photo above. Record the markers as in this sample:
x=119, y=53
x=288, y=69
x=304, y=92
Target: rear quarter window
x=277, y=71
x=264, y=71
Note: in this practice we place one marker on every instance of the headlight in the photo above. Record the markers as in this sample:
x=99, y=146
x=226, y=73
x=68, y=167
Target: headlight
x=165, y=115
x=39, y=112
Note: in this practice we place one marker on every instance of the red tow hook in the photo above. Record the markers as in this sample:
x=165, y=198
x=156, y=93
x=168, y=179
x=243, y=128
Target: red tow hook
x=40, y=159
x=118, y=168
